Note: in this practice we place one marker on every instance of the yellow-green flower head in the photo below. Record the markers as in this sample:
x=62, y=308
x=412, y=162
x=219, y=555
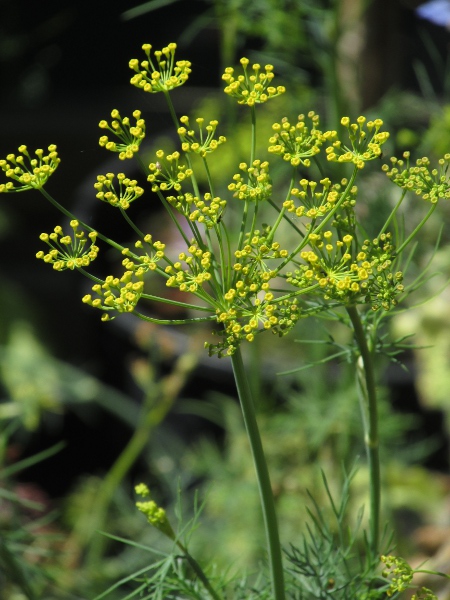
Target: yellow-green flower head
x=69, y=251
x=116, y=294
x=154, y=514
x=342, y=272
x=208, y=211
x=163, y=76
x=191, y=271
x=297, y=143
x=317, y=201
x=252, y=262
x=250, y=315
x=141, y=264
x=430, y=184
x=250, y=306
x=399, y=572
x=27, y=173
x=424, y=593
x=167, y=173
x=251, y=88
x=130, y=136
x=203, y=143
x=128, y=190
x=257, y=186
x=366, y=140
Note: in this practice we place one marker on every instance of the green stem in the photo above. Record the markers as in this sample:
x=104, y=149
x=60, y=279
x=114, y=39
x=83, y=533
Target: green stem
x=417, y=229
x=368, y=398
x=262, y=474
x=70, y=215
x=393, y=213
x=199, y=571
x=282, y=210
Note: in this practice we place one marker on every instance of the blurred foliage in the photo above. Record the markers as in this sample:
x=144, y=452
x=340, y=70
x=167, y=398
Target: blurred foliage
x=317, y=423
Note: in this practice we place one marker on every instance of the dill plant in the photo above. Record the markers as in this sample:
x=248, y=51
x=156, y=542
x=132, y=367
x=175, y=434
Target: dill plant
x=246, y=282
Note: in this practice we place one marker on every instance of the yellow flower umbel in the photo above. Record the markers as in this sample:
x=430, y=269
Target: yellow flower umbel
x=297, y=143
x=124, y=196
x=141, y=264
x=166, y=173
x=431, y=184
x=208, y=211
x=251, y=89
x=317, y=202
x=165, y=76
x=28, y=173
x=120, y=295
x=364, y=147
x=257, y=186
x=154, y=514
x=68, y=251
x=198, y=271
x=130, y=136
x=348, y=274
x=202, y=144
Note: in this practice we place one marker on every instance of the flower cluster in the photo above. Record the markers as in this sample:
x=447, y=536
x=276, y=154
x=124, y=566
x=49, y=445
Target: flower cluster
x=165, y=76
x=141, y=264
x=155, y=515
x=69, y=251
x=194, y=273
x=364, y=147
x=399, y=572
x=246, y=315
x=342, y=272
x=29, y=173
x=167, y=173
x=130, y=136
x=254, y=254
x=250, y=306
x=202, y=144
x=251, y=89
x=318, y=202
x=120, y=295
x=297, y=143
x=424, y=593
x=329, y=260
x=430, y=184
x=257, y=187
x=124, y=196
x=208, y=211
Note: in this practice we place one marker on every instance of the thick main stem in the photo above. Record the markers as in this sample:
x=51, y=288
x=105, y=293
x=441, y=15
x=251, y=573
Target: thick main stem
x=262, y=474
x=368, y=396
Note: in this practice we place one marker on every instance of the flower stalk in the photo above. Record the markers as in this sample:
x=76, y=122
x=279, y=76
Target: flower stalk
x=262, y=475
x=369, y=408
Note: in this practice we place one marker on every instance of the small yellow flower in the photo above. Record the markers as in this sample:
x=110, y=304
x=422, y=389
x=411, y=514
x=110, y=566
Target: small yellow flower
x=128, y=190
x=162, y=77
x=297, y=143
x=27, y=173
x=254, y=88
x=130, y=136
x=430, y=184
x=68, y=251
x=202, y=143
x=166, y=173
x=366, y=140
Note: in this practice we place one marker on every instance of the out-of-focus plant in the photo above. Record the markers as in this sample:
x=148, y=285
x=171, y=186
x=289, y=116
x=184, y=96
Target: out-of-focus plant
x=247, y=277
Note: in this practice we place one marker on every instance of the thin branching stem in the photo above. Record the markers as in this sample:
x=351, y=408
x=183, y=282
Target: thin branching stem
x=413, y=234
